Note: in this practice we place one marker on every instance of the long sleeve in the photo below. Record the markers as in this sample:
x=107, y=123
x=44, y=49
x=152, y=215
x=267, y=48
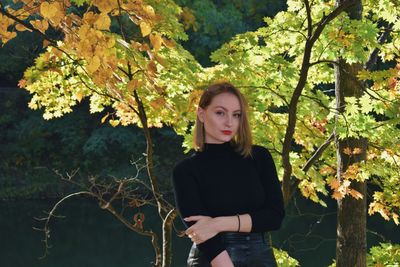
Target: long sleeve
x=271, y=215
x=188, y=201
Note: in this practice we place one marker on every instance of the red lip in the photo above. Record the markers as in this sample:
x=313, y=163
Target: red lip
x=227, y=132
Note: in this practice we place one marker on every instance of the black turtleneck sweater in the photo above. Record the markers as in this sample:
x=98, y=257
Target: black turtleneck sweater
x=220, y=182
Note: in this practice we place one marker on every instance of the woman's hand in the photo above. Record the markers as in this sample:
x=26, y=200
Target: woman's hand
x=204, y=228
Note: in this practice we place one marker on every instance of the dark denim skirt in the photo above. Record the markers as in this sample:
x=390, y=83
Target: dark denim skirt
x=245, y=250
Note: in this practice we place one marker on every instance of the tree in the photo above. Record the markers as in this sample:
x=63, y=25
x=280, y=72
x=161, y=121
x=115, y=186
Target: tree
x=351, y=216
x=150, y=80
x=121, y=54
x=268, y=67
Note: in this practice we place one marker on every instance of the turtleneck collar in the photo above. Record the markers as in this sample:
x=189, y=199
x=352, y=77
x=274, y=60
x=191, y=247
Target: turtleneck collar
x=209, y=147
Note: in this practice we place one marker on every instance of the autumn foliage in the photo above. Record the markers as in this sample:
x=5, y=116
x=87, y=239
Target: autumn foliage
x=126, y=54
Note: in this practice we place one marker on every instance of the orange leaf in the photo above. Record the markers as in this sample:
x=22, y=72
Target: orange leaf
x=41, y=25
x=347, y=151
x=337, y=195
x=22, y=28
x=168, y=43
x=45, y=43
x=334, y=184
x=355, y=194
x=22, y=83
x=132, y=85
x=152, y=68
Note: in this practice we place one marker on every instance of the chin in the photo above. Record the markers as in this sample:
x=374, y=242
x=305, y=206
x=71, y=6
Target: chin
x=226, y=139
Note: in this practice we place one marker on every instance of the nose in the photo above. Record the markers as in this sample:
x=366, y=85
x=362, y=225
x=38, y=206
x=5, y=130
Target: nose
x=228, y=121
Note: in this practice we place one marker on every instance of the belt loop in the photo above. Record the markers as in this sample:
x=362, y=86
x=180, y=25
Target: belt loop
x=263, y=237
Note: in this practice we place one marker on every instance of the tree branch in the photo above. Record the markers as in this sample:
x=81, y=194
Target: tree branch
x=374, y=55
x=287, y=144
x=317, y=154
x=309, y=19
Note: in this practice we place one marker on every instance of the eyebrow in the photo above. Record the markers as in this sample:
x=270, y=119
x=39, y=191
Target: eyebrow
x=238, y=110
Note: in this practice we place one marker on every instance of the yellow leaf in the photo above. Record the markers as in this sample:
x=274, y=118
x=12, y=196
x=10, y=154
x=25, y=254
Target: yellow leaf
x=7, y=36
x=327, y=170
x=79, y=95
x=156, y=41
x=114, y=123
x=93, y=65
x=105, y=117
x=110, y=42
x=46, y=11
x=21, y=28
x=149, y=11
x=103, y=22
x=396, y=218
x=89, y=18
x=106, y=5
x=41, y=25
x=145, y=28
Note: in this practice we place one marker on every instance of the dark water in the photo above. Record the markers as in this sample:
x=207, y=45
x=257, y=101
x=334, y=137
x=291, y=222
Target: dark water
x=89, y=236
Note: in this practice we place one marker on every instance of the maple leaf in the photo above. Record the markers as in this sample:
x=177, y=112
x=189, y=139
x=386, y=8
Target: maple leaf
x=354, y=193
x=93, y=65
x=337, y=195
x=103, y=22
x=22, y=83
x=47, y=11
x=334, y=184
x=357, y=151
x=347, y=151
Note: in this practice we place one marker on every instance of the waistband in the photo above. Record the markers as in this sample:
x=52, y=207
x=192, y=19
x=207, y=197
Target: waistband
x=235, y=236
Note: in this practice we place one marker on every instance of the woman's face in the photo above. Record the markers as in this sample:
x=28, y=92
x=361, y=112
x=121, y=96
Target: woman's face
x=221, y=118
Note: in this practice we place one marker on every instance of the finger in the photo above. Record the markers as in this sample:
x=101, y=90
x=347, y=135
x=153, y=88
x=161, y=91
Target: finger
x=189, y=231
x=192, y=218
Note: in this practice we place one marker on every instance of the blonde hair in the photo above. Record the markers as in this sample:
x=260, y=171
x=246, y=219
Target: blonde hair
x=242, y=141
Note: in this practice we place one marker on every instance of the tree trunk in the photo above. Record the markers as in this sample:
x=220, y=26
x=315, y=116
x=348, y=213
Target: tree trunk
x=351, y=216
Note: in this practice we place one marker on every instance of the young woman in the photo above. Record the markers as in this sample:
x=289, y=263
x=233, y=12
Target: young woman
x=227, y=193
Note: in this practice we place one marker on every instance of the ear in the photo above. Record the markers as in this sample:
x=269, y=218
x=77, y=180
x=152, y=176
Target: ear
x=200, y=114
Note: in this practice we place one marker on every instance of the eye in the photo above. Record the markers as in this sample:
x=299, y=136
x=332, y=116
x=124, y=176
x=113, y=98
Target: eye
x=219, y=113
x=237, y=115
